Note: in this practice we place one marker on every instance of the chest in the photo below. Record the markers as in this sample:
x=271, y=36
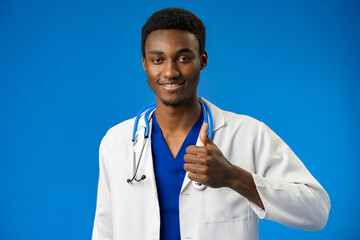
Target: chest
x=174, y=141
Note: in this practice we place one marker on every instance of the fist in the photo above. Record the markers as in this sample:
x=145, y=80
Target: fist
x=206, y=164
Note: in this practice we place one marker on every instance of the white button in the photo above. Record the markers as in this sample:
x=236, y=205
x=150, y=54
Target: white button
x=198, y=186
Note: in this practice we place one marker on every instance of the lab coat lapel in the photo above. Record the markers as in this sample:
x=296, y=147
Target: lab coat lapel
x=146, y=165
x=150, y=205
x=148, y=169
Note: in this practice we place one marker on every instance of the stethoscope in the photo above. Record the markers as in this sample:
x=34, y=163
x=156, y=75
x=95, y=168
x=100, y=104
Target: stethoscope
x=145, y=112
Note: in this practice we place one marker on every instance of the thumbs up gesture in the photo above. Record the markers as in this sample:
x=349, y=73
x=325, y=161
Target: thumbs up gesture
x=206, y=164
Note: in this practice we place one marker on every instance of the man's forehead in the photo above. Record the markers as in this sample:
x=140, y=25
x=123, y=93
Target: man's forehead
x=165, y=38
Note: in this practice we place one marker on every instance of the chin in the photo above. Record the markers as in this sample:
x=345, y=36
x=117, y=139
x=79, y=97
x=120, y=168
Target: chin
x=173, y=104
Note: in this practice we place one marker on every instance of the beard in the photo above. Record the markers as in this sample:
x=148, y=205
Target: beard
x=173, y=104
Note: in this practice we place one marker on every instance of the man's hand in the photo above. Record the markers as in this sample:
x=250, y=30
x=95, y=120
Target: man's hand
x=207, y=164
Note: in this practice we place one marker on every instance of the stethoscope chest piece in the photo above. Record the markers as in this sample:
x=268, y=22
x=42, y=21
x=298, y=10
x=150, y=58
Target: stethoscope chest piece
x=198, y=186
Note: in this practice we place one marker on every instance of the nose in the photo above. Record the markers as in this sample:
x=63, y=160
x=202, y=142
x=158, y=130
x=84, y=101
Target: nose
x=170, y=70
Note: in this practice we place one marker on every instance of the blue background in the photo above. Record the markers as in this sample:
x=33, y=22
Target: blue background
x=70, y=70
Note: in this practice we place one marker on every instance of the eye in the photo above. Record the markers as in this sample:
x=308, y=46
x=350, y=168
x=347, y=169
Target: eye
x=184, y=59
x=156, y=60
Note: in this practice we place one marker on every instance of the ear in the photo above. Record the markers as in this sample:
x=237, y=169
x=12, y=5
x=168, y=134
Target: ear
x=203, y=60
x=144, y=63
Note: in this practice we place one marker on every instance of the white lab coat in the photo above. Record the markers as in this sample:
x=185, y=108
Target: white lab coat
x=290, y=194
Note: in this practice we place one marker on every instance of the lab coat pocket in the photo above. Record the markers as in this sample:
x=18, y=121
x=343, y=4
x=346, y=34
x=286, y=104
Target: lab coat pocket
x=225, y=205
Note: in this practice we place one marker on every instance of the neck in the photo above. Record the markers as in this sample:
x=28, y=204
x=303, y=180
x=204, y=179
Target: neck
x=180, y=118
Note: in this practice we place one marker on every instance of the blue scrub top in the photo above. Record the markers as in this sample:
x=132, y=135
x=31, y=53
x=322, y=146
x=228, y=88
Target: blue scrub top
x=169, y=174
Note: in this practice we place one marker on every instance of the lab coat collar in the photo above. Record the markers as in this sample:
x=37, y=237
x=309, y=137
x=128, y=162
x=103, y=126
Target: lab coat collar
x=218, y=122
x=218, y=118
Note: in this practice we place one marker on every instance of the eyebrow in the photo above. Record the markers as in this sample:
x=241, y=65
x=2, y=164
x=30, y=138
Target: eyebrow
x=156, y=52
x=182, y=50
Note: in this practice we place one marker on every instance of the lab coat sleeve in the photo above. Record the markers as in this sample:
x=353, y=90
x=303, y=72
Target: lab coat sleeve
x=290, y=194
x=102, y=229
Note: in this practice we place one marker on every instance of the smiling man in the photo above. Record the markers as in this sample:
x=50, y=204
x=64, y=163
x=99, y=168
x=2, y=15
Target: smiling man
x=196, y=172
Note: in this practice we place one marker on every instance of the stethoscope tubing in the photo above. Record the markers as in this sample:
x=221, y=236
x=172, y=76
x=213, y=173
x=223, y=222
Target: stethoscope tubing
x=208, y=118
x=136, y=123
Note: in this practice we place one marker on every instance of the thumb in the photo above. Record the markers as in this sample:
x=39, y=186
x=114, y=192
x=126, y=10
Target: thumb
x=203, y=135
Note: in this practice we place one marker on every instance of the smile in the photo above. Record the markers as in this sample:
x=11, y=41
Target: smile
x=171, y=85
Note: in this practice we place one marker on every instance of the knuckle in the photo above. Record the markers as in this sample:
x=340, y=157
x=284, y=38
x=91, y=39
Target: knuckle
x=188, y=149
x=203, y=150
x=205, y=179
x=206, y=170
x=205, y=161
x=191, y=176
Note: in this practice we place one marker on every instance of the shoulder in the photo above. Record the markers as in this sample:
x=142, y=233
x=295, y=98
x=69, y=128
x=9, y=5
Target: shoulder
x=121, y=132
x=248, y=131
x=121, y=128
x=222, y=117
x=250, y=127
x=241, y=126
x=234, y=121
x=240, y=119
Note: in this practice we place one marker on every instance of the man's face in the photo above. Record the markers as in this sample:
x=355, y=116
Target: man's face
x=172, y=63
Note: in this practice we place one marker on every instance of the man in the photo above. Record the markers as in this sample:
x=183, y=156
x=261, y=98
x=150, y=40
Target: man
x=246, y=172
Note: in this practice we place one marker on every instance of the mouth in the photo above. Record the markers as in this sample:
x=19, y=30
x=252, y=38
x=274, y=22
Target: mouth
x=171, y=85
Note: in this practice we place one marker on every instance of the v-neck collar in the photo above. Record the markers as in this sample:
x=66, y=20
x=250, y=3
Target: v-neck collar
x=190, y=139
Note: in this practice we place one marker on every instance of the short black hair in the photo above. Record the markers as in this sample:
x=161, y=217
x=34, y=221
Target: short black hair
x=174, y=18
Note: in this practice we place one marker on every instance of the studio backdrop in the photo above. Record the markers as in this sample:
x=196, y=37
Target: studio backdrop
x=70, y=70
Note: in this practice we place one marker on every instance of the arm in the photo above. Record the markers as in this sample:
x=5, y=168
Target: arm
x=291, y=195
x=281, y=189
x=103, y=216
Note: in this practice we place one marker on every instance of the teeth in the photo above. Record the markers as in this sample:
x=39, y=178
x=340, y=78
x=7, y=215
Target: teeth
x=171, y=84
